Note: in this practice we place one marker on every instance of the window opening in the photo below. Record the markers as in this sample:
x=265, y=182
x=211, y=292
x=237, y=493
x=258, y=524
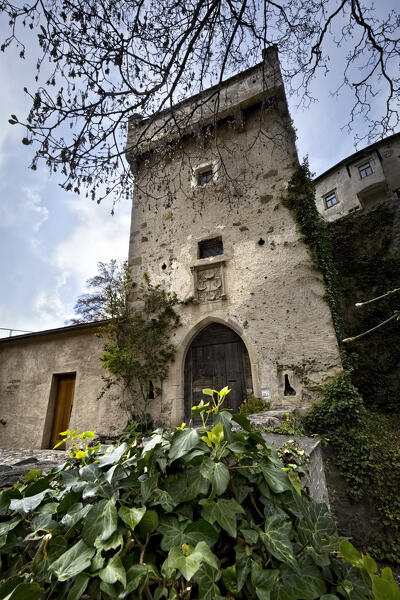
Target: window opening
x=204, y=177
x=150, y=395
x=261, y=242
x=396, y=194
x=330, y=200
x=211, y=247
x=289, y=391
x=365, y=170
x=354, y=209
x=163, y=266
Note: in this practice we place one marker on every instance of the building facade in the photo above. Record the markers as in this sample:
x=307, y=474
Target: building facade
x=209, y=223
x=360, y=181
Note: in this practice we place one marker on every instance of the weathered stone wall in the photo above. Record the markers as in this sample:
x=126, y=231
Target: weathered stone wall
x=272, y=295
x=28, y=365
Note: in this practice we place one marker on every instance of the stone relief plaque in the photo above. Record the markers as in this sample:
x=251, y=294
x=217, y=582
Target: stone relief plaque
x=209, y=283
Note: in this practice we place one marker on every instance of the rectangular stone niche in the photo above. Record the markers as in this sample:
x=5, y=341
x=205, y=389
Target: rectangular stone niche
x=209, y=282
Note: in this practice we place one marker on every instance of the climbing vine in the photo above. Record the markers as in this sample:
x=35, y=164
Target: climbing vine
x=139, y=351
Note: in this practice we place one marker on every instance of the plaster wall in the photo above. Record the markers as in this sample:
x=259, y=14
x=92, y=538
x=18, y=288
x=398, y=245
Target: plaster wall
x=28, y=367
x=354, y=192
x=273, y=296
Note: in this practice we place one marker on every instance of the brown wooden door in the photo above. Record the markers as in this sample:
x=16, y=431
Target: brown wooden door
x=63, y=406
x=217, y=357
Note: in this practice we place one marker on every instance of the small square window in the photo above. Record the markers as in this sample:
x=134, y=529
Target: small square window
x=204, y=177
x=211, y=247
x=330, y=200
x=365, y=170
x=354, y=209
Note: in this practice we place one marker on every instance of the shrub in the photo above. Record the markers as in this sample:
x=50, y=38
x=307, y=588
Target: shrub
x=193, y=514
x=253, y=405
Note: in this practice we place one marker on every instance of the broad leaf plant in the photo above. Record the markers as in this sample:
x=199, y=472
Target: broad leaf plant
x=208, y=513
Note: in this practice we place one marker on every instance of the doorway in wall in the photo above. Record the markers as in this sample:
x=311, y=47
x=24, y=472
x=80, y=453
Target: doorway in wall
x=217, y=357
x=64, y=397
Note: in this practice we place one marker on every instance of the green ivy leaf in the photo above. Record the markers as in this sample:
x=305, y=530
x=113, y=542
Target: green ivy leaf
x=100, y=523
x=148, y=523
x=113, y=457
x=27, y=505
x=217, y=473
x=224, y=512
x=263, y=580
x=385, y=587
x=182, y=442
x=80, y=585
x=190, y=562
x=114, y=571
x=187, y=485
x=26, y=591
x=73, y=561
x=206, y=578
x=131, y=516
x=276, y=539
x=276, y=478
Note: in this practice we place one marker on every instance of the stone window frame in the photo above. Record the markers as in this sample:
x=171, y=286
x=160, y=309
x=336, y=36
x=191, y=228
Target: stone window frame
x=332, y=195
x=204, y=168
x=365, y=169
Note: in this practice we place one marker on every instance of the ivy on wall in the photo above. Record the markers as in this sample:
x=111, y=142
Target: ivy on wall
x=366, y=255
x=359, y=258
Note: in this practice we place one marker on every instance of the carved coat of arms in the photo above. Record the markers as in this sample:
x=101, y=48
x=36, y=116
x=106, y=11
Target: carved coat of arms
x=209, y=283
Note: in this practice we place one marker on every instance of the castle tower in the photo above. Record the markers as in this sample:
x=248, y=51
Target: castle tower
x=209, y=223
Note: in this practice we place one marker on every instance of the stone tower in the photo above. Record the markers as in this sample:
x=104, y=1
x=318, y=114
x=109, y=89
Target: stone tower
x=209, y=223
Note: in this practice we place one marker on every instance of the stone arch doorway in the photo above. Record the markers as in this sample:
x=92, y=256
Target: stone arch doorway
x=217, y=357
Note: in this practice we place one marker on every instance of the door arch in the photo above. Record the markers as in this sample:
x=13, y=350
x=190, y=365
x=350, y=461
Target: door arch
x=217, y=357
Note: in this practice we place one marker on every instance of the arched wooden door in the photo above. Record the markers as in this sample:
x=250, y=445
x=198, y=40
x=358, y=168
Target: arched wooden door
x=217, y=357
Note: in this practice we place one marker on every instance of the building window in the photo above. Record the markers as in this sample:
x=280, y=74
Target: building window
x=365, y=170
x=396, y=194
x=211, y=247
x=330, y=200
x=204, y=177
x=354, y=209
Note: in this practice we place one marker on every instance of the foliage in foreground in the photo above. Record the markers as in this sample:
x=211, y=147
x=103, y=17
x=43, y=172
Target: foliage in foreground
x=367, y=451
x=208, y=513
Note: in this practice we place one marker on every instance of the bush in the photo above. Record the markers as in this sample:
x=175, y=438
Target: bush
x=194, y=514
x=253, y=405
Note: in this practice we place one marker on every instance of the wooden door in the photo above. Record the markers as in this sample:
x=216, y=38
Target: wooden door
x=217, y=357
x=63, y=406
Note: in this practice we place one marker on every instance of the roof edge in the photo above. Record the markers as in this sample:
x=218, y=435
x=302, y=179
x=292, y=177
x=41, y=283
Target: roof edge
x=56, y=331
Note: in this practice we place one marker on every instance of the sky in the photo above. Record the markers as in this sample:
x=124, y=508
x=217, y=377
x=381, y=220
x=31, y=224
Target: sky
x=51, y=240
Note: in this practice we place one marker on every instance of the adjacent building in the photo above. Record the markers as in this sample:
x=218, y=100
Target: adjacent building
x=360, y=181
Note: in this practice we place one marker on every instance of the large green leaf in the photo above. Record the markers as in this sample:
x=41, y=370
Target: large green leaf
x=100, y=523
x=113, y=457
x=206, y=578
x=26, y=591
x=316, y=526
x=80, y=585
x=187, y=485
x=385, y=587
x=263, y=580
x=201, y=531
x=131, y=516
x=73, y=561
x=308, y=584
x=27, y=505
x=188, y=560
x=148, y=523
x=217, y=473
x=276, y=539
x=276, y=478
x=182, y=442
x=114, y=571
x=172, y=531
x=7, y=526
x=224, y=512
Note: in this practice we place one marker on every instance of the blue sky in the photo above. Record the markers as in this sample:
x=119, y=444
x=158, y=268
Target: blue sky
x=51, y=241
